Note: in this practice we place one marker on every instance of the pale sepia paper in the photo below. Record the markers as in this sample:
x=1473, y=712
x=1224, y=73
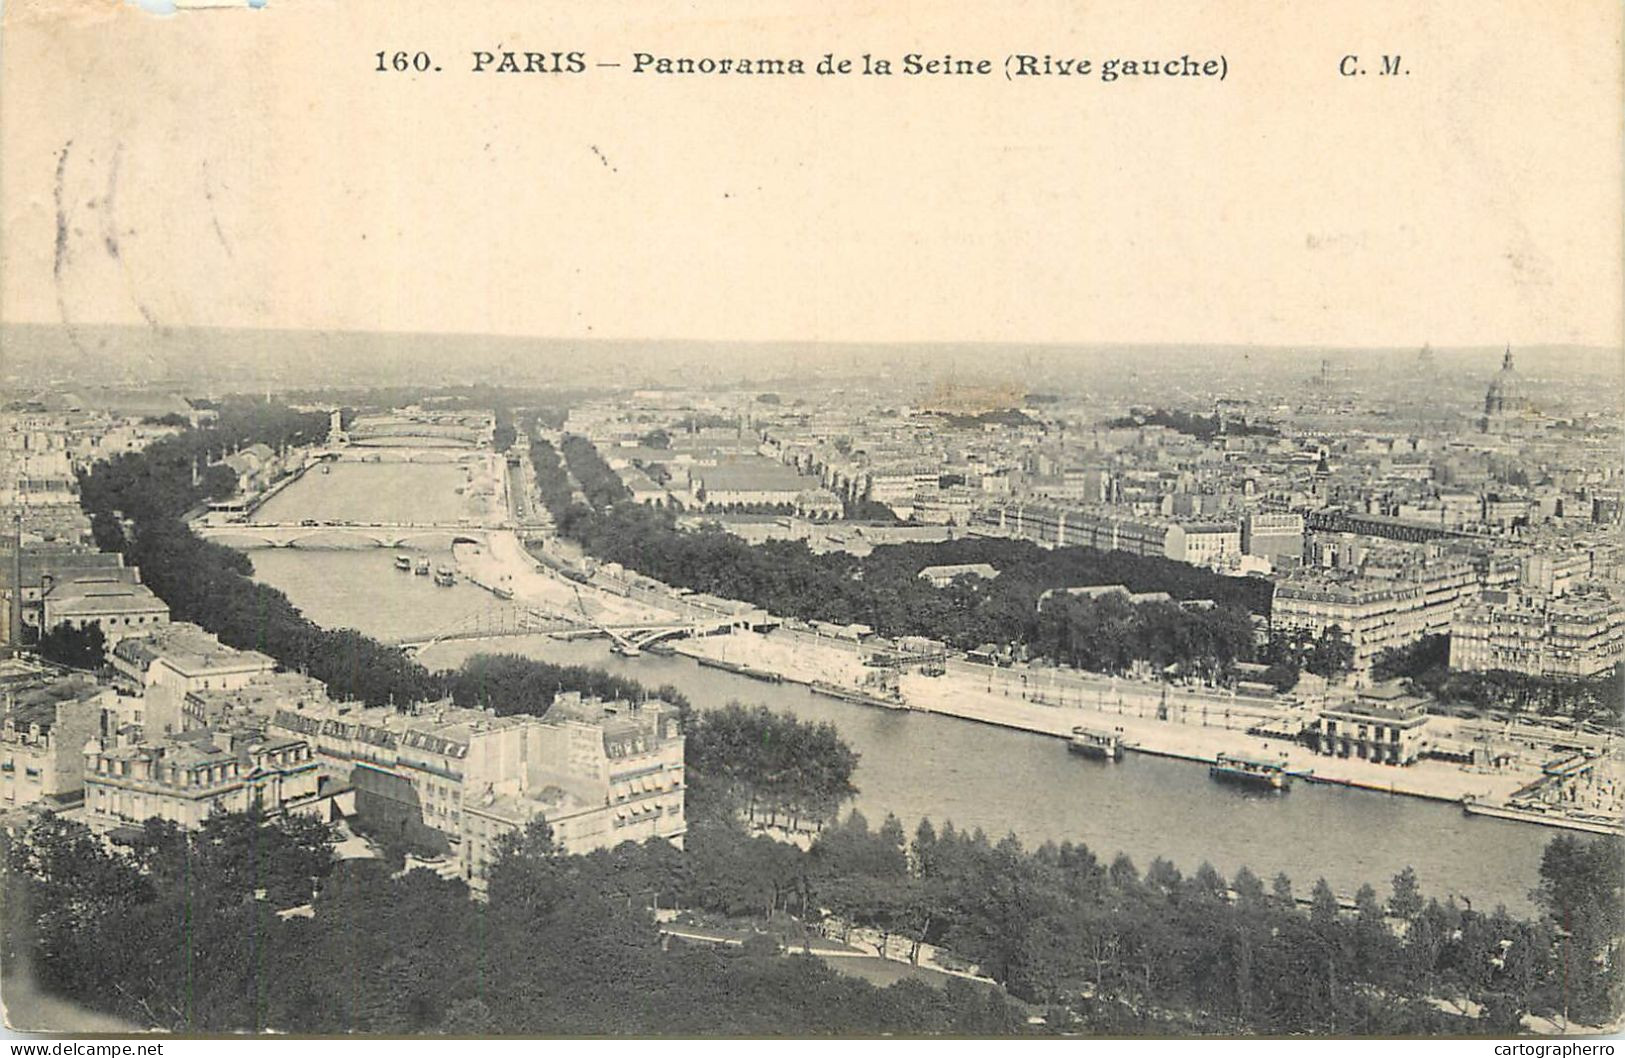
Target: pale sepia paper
x=238, y=168
x=249, y=168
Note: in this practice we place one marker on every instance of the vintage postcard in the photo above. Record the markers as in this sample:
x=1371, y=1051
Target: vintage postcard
x=711, y=520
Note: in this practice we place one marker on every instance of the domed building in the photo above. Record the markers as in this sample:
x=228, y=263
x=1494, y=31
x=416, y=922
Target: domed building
x=1426, y=365
x=1506, y=405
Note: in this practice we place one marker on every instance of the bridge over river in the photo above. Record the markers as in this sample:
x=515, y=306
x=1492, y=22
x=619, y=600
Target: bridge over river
x=509, y=618
x=314, y=534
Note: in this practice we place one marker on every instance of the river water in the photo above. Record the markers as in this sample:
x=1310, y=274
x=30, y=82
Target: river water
x=924, y=766
x=375, y=492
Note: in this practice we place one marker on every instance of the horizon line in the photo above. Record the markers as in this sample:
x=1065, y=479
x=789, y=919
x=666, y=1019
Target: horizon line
x=169, y=331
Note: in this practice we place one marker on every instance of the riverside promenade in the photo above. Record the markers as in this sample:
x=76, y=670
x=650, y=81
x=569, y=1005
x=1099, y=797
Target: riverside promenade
x=1198, y=726
x=1163, y=720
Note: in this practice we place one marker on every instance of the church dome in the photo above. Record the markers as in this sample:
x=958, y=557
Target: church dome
x=1506, y=392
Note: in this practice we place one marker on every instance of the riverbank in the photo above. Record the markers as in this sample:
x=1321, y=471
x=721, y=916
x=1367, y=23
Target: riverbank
x=1175, y=723
x=1194, y=725
x=917, y=764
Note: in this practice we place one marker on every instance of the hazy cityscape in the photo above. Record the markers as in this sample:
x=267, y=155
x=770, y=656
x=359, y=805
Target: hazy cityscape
x=586, y=688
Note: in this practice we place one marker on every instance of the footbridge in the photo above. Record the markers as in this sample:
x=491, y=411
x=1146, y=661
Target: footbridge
x=316, y=535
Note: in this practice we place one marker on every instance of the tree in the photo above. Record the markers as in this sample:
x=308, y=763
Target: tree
x=1323, y=908
x=1413, y=659
x=1406, y=901
x=79, y=647
x=240, y=856
x=1331, y=655
x=1249, y=890
x=1372, y=939
x=1582, y=892
x=73, y=884
x=1163, y=876
x=756, y=765
x=1208, y=882
x=525, y=873
x=1123, y=873
x=924, y=849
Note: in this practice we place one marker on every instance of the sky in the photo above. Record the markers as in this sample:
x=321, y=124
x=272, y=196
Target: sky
x=252, y=169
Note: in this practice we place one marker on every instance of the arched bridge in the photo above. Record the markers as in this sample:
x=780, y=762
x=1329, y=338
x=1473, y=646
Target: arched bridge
x=405, y=453
x=495, y=621
x=468, y=429
x=422, y=535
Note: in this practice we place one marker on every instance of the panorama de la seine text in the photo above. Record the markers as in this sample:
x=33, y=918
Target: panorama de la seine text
x=1175, y=64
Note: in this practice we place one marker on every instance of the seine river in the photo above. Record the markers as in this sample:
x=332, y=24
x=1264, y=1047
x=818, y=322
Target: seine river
x=375, y=492
x=924, y=766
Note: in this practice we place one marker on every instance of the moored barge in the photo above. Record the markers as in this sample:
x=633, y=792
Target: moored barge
x=1097, y=743
x=857, y=696
x=1250, y=771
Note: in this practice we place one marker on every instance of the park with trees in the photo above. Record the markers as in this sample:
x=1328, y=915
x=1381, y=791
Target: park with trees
x=254, y=925
x=884, y=590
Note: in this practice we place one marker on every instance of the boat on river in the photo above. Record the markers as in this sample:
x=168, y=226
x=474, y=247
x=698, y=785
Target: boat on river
x=740, y=670
x=1250, y=771
x=1097, y=743
x=858, y=696
x=1533, y=812
x=403, y=562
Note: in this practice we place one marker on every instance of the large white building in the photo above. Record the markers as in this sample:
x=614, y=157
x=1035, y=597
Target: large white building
x=1374, y=614
x=1206, y=544
x=1273, y=535
x=120, y=607
x=163, y=667
x=599, y=773
x=188, y=777
x=43, y=731
x=459, y=780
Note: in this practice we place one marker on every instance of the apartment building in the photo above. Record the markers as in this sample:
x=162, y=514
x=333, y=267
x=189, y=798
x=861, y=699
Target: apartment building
x=1581, y=634
x=1276, y=536
x=601, y=773
x=177, y=660
x=1446, y=583
x=1374, y=614
x=43, y=732
x=457, y=780
x=1207, y=544
x=185, y=778
x=1051, y=525
x=1555, y=572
